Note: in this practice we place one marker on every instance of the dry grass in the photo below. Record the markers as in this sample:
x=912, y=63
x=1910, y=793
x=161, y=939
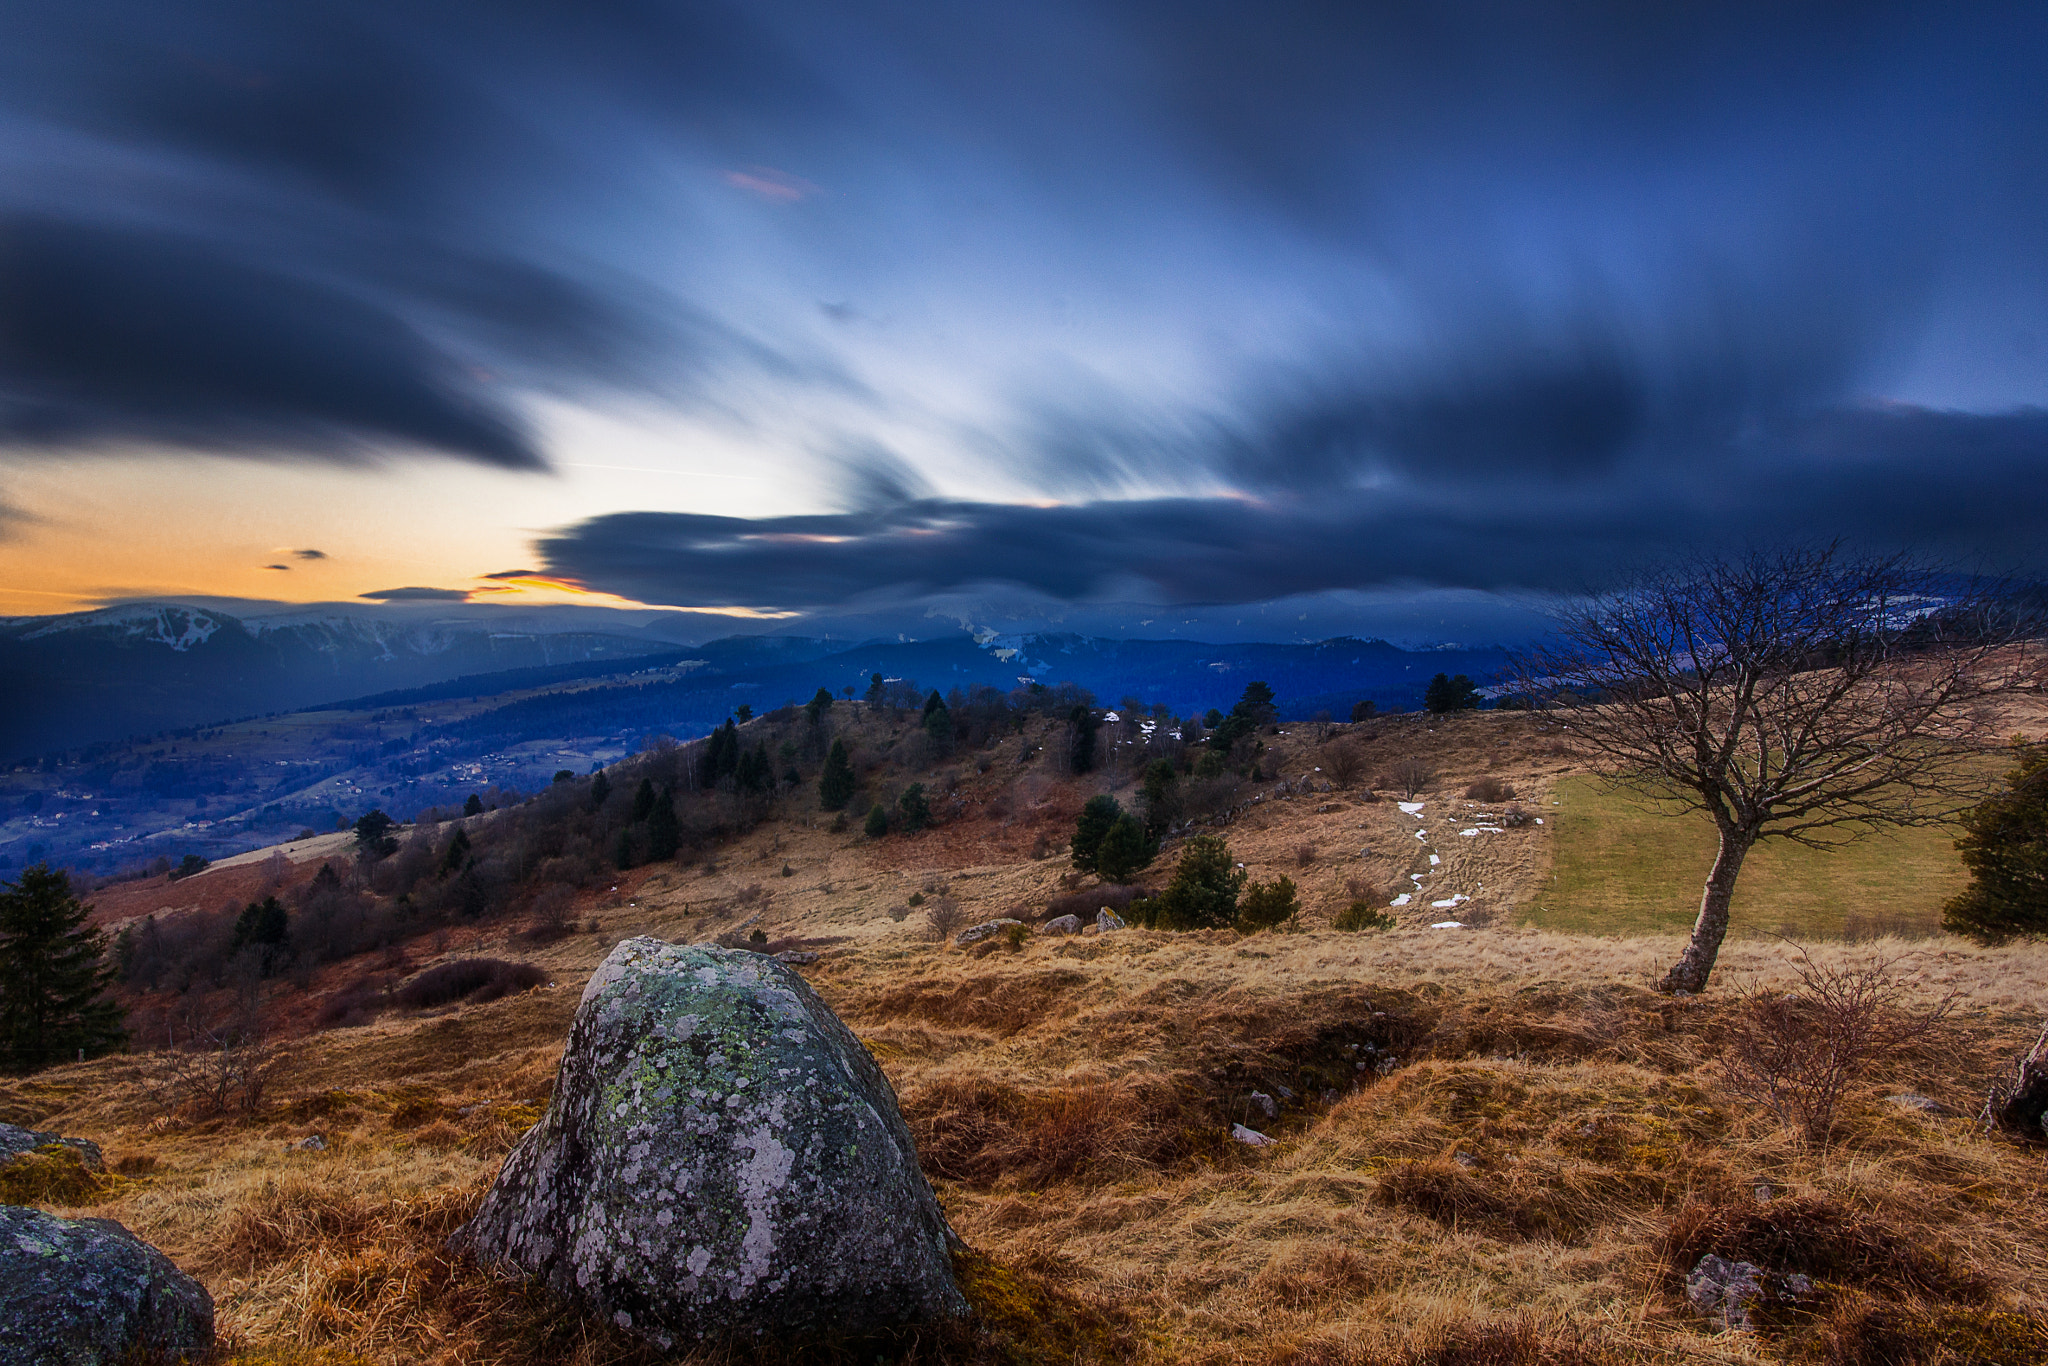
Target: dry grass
x=1492, y=1147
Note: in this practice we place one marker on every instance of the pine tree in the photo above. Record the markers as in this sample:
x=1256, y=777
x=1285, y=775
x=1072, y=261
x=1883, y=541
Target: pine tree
x=263, y=926
x=664, y=837
x=1096, y=818
x=600, y=789
x=1203, y=894
x=1448, y=693
x=1125, y=849
x=456, y=858
x=836, y=783
x=820, y=703
x=878, y=821
x=643, y=801
x=917, y=812
x=474, y=806
x=53, y=975
x=2005, y=846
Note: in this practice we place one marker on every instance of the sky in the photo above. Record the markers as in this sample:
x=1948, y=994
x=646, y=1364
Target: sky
x=1298, y=319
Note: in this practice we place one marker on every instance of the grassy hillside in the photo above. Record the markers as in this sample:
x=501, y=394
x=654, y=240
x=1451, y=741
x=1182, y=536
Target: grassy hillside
x=1626, y=866
x=1493, y=1145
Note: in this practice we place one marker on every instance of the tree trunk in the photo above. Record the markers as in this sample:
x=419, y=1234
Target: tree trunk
x=1693, y=967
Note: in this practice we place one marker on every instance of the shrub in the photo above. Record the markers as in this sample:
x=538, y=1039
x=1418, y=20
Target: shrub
x=1797, y=1053
x=1203, y=894
x=1015, y=936
x=1362, y=915
x=917, y=811
x=1086, y=903
x=1266, y=904
x=1408, y=778
x=1343, y=763
x=877, y=822
x=943, y=919
x=1514, y=817
x=1490, y=790
x=469, y=979
x=1304, y=855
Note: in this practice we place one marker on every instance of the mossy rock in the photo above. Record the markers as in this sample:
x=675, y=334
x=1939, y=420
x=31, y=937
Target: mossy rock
x=720, y=1156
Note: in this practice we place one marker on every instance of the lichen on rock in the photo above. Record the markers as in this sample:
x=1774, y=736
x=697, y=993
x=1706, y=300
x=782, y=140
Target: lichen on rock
x=720, y=1155
x=87, y=1291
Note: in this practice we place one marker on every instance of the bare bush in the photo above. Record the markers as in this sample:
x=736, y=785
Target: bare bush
x=1797, y=1053
x=1490, y=790
x=1408, y=778
x=1344, y=763
x=215, y=1068
x=943, y=918
x=1304, y=855
x=469, y=979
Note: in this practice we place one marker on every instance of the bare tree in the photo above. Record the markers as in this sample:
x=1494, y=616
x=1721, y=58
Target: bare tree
x=1409, y=777
x=1802, y=694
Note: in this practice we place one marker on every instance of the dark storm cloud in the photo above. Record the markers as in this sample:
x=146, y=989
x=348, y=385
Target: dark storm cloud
x=1477, y=294
x=322, y=231
x=416, y=595
x=1880, y=476
x=309, y=554
x=131, y=334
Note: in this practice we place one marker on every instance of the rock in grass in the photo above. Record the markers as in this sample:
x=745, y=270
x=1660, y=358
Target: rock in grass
x=15, y=1140
x=720, y=1156
x=987, y=929
x=1107, y=920
x=82, y=1292
x=1066, y=924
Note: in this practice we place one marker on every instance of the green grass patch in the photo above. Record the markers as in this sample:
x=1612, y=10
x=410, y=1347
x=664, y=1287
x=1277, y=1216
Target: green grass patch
x=1628, y=866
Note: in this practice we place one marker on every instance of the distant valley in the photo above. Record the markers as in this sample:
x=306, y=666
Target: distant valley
x=151, y=732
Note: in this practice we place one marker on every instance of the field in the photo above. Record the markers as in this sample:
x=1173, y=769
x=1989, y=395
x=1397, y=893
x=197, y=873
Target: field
x=1493, y=1145
x=1626, y=865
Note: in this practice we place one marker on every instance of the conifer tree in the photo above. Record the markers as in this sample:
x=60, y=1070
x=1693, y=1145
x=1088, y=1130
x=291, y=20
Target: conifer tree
x=836, y=783
x=664, y=837
x=1101, y=812
x=53, y=975
x=600, y=789
x=2005, y=846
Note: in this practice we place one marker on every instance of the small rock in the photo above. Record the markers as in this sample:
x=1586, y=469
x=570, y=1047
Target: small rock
x=315, y=1144
x=1066, y=924
x=1265, y=1102
x=87, y=1292
x=1107, y=920
x=1091, y=929
x=1926, y=1105
x=1464, y=1159
x=1764, y=1192
x=15, y=1140
x=987, y=929
x=1722, y=1290
x=796, y=956
x=1250, y=1136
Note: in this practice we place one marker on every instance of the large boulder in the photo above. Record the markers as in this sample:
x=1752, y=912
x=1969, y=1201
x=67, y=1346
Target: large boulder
x=15, y=1140
x=987, y=929
x=81, y=1292
x=721, y=1155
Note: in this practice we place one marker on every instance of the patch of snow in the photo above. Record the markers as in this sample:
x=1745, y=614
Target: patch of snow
x=1422, y=835
x=1401, y=900
x=1448, y=925
x=1446, y=905
x=1539, y=820
x=1434, y=860
x=1411, y=808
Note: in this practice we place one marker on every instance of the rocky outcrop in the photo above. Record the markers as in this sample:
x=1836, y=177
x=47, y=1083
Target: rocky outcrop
x=1727, y=1293
x=1107, y=920
x=720, y=1155
x=82, y=1292
x=15, y=1140
x=987, y=929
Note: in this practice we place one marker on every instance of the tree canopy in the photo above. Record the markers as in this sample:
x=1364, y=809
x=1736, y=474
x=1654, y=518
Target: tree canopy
x=1447, y=692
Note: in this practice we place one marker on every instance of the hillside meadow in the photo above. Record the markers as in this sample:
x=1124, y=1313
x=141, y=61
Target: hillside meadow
x=1491, y=1145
